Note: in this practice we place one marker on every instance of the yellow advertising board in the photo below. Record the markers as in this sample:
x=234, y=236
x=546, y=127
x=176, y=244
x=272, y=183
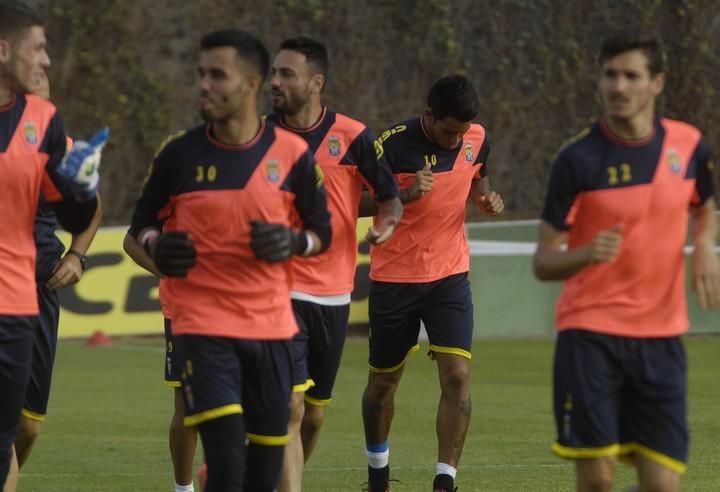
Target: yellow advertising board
x=120, y=298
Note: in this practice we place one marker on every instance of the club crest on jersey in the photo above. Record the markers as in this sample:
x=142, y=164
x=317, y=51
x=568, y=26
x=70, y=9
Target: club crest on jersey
x=673, y=160
x=334, y=145
x=30, y=133
x=469, y=154
x=273, y=170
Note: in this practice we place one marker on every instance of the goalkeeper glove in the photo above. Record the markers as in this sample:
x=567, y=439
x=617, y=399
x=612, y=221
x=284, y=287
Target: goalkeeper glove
x=173, y=253
x=80, y=164
x=276, y=242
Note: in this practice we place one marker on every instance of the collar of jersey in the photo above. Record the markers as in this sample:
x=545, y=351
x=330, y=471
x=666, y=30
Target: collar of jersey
x=323, y=113
x=246, y=145
x=605, y=129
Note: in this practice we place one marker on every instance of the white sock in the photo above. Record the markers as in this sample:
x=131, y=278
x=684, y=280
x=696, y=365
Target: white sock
x=445, y=469
x=379, y=456
x=184, y=488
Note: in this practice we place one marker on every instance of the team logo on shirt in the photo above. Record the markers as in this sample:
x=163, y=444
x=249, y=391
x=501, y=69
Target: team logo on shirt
x=273, y=170
x=30, y=132
x=673, y=160
x=469, y=154
x=334, y=145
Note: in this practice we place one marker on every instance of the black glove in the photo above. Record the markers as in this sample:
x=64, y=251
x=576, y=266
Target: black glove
x=173, y=253
x=275, y=242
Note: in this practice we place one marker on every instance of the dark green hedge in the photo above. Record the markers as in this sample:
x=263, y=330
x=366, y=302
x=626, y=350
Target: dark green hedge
x=131, y=64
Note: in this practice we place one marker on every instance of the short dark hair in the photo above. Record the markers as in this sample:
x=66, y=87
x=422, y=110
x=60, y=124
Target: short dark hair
x=16, y=16
x=248, y=47
x=622, y=42
x=313, y=50
x=453, y=95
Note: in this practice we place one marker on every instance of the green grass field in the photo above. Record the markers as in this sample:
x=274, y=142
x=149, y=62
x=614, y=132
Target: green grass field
x=109, y=413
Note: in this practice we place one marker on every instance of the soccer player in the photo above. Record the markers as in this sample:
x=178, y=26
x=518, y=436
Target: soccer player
x=32, y=160
x=344, y=149
x=53, y=270
x=217, y=217
x=619, y=199
x=182, y=438
x=422, y=274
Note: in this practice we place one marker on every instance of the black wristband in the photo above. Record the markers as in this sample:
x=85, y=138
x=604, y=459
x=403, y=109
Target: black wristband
x=79, y=256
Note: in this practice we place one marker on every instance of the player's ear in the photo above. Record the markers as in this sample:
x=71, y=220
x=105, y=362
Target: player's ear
x=428, y=112
x=4, y=50
x=255, y=82
x=658, y=83
x=317, y=83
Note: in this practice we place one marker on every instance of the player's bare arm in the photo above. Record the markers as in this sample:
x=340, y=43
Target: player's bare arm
x=484, y=198
x=422, y=183
x=705, y=264
x=552, y=261
x=136, y=252
x=70, y=268
x=389, y=215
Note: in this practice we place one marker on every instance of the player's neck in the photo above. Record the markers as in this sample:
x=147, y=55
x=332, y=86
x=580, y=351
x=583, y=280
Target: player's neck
x=639, y=127
x=238, y=130
x=6, y=96
x=307, y=117
x=426, y=125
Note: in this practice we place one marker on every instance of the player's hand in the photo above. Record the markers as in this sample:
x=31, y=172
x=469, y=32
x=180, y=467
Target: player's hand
x=67, y=271
x=605, y=246
x=173, y=253
x=706, y=275
x=273, y=242
x=378, y=234
x=81, y=164
x=490, y=203
x=422, y=183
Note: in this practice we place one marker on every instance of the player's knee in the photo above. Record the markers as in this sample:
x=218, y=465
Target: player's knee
x=297, y=407
x=381, y=386
x=455, y=382
x=595, y=475
x=313, y=418
x=179, y=404
x=177, y=422
x=669, y=482
x=30, y=430
x=597, y=483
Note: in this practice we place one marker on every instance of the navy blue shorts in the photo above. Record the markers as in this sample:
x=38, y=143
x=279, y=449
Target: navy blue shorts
x=16, y=344
x=223, y=376
x=172, y=368
x=615, y=396
x=317, y=348
x=43, y=358
x=396, y=309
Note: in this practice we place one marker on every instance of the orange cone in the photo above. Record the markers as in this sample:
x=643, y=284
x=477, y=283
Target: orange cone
x=202, y=476
x=99, y=339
